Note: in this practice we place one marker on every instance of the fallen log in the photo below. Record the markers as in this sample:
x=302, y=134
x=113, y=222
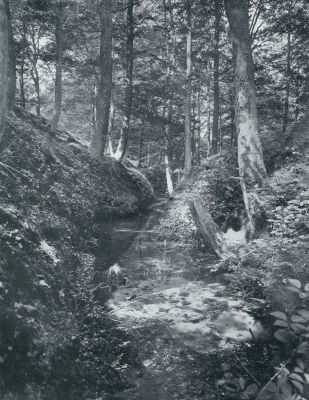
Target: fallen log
x=211, y=233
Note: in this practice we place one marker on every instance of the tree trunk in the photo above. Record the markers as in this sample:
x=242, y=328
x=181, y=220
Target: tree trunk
x=59, y=56
x=216, y=110
x=287, y=87
x=211, y=233
x=12, y=59
x=34, y=70
x=4, y=55
x=171, y=63
x=188, y=139
x=250, y=156
x=199, y=128
x=22, y=65
x=111, y=127
x=105, y=85
x=124, y=134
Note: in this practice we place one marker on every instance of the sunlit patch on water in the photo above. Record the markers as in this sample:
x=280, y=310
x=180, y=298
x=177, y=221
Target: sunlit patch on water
x=196, y=311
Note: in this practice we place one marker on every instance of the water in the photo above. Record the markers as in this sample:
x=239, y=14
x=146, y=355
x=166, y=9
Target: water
x=179, y=315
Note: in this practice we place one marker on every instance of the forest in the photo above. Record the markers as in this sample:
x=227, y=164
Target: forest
x=154, y=200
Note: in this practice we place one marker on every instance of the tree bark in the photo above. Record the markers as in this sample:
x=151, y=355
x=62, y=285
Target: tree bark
x=22, y=64
x=34, y=69
x=124, y=134
x=250, y=156
x=4, y=55
x=287, y=86
x=12, y=59
x=216, y=110
x=211, y=233
x=59, y=57
x=188, y=139
x=105, y=85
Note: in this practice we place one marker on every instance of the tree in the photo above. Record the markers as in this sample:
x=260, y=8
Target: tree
x=105, y=85
x=216, y=110
x=4, y=54
x=59, y=56
x=12, y=59
x=188, y=138
x=123, y=140
x=250, y=156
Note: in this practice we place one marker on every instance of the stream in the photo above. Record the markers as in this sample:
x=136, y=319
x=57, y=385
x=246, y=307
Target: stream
x=177, y=313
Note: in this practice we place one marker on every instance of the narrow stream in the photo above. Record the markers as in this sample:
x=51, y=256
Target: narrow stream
x=177, y=313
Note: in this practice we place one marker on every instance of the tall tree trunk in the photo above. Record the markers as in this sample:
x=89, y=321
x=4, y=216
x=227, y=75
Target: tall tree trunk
x=287, y=86
x=103, y=101
x=4, y=55
x=171, y=63
x=216, y=110
x=188, y=139
x=199, y=128
x=111, y=127
x=59, y=57
x=12, y=59
x=124, y=134
x=250, y=156
x=34, y=69
x=22, y=64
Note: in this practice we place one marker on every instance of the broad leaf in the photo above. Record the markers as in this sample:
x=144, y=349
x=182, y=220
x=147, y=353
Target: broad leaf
x=295, y=282
x=282, y=336
x=304, y=314
x=299, y=386
x=296, y=377
x=297, y=319
x=281, y=323
x=280, y=315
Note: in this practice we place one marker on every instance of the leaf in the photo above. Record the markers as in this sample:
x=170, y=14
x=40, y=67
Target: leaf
x=251, y=391
x=298, y=327
x=280, y=315
x=299, y=386
x=306, y=376
x=304, y=314
x=297, y=369
x=303, y=295
x=242, y=383
x=300, y=364
x=281, y=323
x=296, y=377
x=306, y=288
x=293, y=289
x=295, y=282
x=302, y=348
x=282, y=336
x=296, y=318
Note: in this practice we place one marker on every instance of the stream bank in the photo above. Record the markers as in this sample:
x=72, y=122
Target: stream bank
x=57, y=210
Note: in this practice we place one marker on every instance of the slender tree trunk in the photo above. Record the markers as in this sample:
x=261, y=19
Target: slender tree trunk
x=287, y=87
x=36, y=81
x=103, y=101
x=216, y=110
x=171, y=63
x=22, y=65
x=188, y=139
x=111, y=128
x=250, y=156
x=12, y=59
x=124, y=134
x=199, y=126
x=59, y=57
x=4, y=55
x=34, y=70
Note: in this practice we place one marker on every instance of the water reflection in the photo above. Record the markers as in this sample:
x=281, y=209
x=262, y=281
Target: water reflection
x=169, y=286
